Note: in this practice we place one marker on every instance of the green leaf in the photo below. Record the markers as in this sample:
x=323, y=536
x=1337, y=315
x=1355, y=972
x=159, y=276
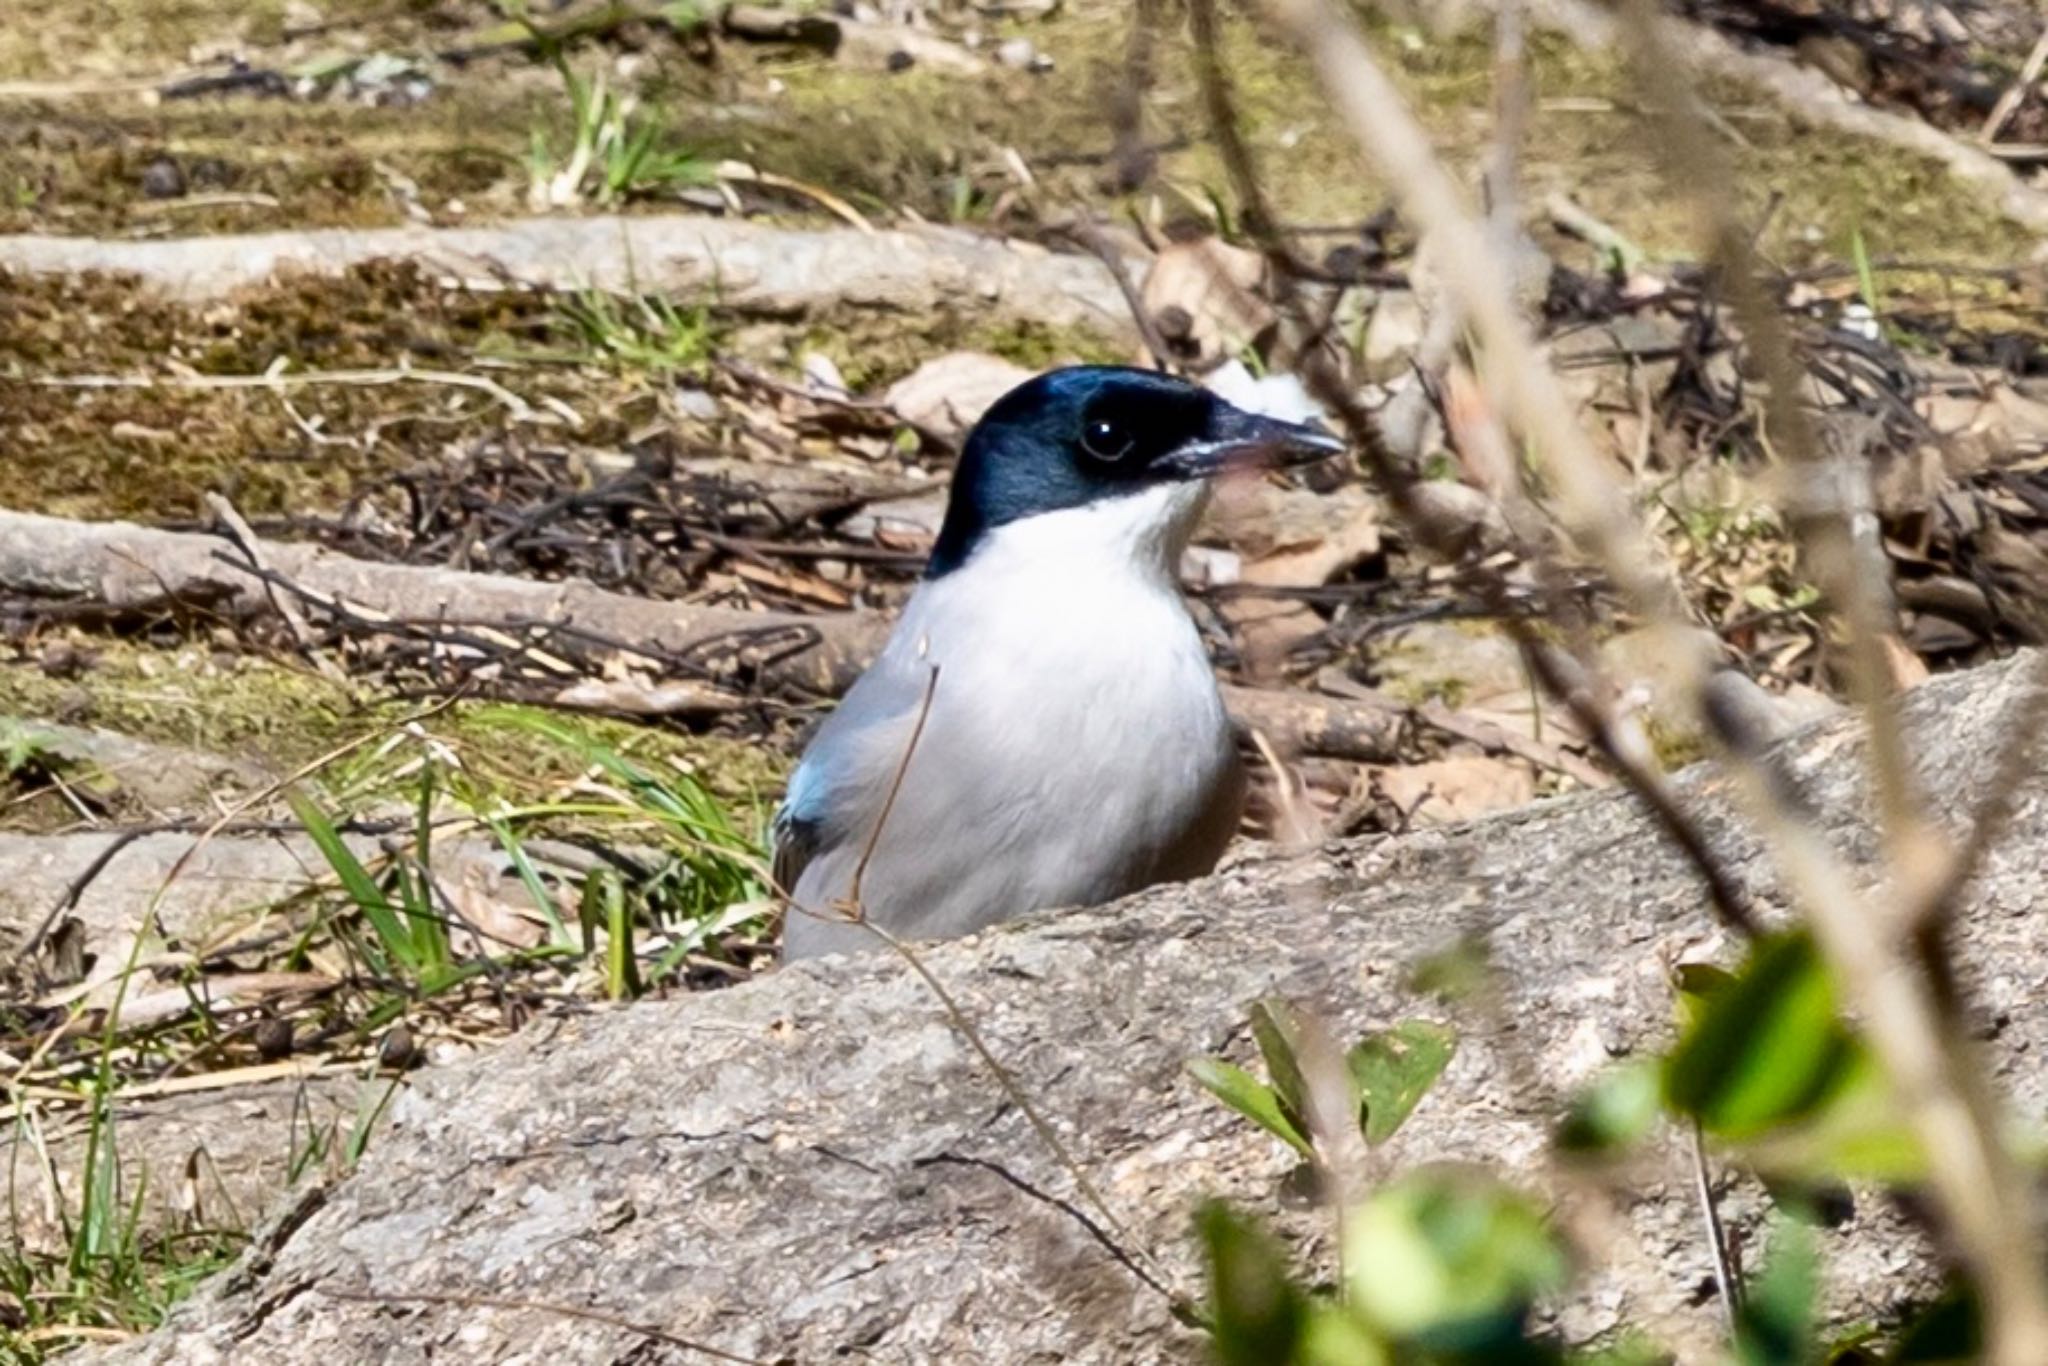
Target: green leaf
x=1950, y=1332
x=1632, y=1350
x=1776, y=1319
x=1767, y=1047
x=1277, y=1028
x=1394, y=1070
x=1866, y=278
x=1250, y=1097
x=362, y=889
x=604, y=905
x=1447, y=1257
x=1858, y=1134
x=1257, y=1314
x=1697, y=983
x=529, y=877
x=23, y=745
x=1336, y=1336
x=1617, y=1111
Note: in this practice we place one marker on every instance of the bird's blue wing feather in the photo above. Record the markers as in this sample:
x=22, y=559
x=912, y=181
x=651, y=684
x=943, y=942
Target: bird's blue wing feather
x=844, y=774
x=799, y=823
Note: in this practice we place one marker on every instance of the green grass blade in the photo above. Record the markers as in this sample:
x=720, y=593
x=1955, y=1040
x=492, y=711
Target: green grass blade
x=1866, y=278
x=529, y=877
x=362, y=889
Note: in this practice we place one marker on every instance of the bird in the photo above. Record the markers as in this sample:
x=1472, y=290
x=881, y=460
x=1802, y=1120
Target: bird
x=1042, y=727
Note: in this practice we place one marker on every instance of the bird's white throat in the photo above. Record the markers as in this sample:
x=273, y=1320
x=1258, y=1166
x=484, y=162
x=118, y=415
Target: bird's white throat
x=1139, y=536
x=1085, y=598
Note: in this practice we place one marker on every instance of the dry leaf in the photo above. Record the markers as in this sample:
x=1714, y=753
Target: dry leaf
x=948, y=394
x=487, y=922
x=1459, y=788
x=1205, y=295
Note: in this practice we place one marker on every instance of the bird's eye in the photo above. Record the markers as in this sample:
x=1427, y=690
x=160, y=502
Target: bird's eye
x=1105, y=439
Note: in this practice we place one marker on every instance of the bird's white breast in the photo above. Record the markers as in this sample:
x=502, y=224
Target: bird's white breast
x=1072, y=674
x=1075, y=746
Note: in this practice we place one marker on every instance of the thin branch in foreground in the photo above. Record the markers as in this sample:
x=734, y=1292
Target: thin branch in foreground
x=1400, y=482
x=1943, y=1096
x=1825, y=500
x=1727, y=1281
x=1896, y=973
x=1529, y=393
x=853, y=911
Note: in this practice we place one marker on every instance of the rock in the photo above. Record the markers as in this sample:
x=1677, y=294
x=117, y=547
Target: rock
x=1461, y=663
x=1280, y=395
x=208, y=1159
x=163, y=178
x=223, y=885
x=897, y=47
x=821, y=374
x=816, y=1164
x=167, y=779
x=1020, y=53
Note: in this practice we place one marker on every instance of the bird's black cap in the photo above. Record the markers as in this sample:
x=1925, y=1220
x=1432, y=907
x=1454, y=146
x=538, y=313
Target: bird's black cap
x=1077, y=436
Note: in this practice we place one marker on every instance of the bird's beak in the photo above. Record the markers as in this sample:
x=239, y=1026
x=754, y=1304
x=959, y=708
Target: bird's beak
x=1239, y=440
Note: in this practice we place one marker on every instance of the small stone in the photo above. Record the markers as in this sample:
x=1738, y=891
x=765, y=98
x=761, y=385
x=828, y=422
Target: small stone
x=899, y=60
x=274, y=1039
x=163, y=178
x=821, y=373
x=1017, y=52
x=398, y=1051
x=696, y=403
x=63, y=659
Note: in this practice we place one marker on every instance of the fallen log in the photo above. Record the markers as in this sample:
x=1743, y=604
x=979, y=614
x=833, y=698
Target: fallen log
x=835, y=1172
x=128, y=568
x=738, y=265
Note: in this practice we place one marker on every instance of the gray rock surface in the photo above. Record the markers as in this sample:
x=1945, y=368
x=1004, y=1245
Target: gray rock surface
x=817, y=1165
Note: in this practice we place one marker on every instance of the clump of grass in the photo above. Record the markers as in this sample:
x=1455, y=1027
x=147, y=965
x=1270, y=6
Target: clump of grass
x=109, y=1277
x=637, y=332
x=679, y=873
x=616, y=151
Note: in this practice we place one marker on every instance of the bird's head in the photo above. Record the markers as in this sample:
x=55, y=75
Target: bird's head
x=1117, y=454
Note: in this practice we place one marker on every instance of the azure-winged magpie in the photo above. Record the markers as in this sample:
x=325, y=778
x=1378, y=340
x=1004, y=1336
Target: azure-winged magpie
x=1074, y=747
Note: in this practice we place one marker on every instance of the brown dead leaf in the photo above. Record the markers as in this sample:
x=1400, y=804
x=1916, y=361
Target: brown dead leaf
x=1908, y=670
x=488, y=922
x=794, y=583
x=1985, y=428
x=1312, y=563
x=948, y=394
x=1268, y=628
x=1205, y=296
x=1460, y=788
